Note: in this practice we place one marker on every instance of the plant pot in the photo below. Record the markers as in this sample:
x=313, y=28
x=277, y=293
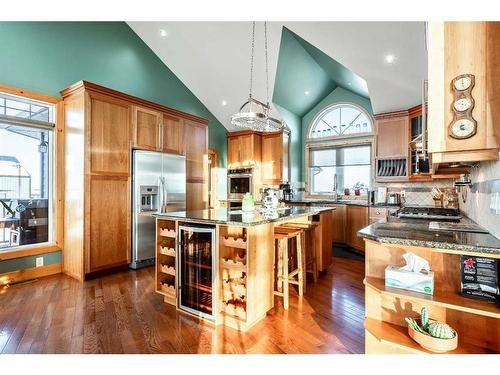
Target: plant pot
x=347, y=191
x=357, y=191
x=433, y=344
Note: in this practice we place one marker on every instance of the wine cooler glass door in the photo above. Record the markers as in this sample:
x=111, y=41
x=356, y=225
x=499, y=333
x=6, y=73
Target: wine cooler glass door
x=197, y=267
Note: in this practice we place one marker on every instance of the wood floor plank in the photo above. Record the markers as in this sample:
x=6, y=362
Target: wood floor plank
x=121, y=313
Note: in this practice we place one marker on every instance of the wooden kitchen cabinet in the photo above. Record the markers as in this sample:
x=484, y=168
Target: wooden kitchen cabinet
x=172, y=135
x=392, y=137
x=109, y=135
x=109, y=223
x=196, y=142
x=147, y=128
x=457, y=48
x=244, y=148
x=339, y=222
x=101, y=126
x=357, y=218
x=377, y=214
x=275, y=157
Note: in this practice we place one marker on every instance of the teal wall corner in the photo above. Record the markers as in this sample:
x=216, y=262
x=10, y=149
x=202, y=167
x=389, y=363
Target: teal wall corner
x=12, y=265
x=338, y=95
x=295, y=125
x=46, y=57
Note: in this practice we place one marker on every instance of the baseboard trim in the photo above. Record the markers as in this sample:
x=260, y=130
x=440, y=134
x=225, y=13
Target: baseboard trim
x=30, y=273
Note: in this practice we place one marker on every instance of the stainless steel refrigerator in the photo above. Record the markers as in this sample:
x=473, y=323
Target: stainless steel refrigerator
x=158, y=185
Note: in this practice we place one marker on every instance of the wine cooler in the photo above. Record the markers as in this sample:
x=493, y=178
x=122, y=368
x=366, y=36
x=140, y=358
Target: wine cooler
x=196, y=270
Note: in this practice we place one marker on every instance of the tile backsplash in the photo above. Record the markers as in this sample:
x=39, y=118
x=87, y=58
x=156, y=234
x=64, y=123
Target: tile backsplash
x=485, y=183
x=417, y=193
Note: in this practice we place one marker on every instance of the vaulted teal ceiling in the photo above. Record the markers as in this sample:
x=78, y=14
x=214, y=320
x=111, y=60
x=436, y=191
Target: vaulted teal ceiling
x=305, y=75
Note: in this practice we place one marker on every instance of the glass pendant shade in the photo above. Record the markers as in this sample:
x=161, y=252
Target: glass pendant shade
x=254, y=114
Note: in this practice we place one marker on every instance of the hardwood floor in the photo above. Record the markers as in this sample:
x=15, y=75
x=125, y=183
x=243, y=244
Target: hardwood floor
x=120, y=313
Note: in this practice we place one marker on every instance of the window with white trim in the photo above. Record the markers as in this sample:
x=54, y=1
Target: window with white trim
x=26, y=163
x=341, y=119
x=344, y=151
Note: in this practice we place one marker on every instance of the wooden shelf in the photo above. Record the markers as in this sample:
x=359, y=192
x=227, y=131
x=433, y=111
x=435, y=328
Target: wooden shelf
x=198, y=265
x=397, y=336
x=449, y=300
x=170, y=233
x=235, y=309
x=232, y=264
x=199, y=286
x=239, y=243
x=169, y=270
x=169, y=251
x=168, y=290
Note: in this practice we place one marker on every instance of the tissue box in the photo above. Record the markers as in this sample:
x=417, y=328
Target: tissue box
x=414, y=281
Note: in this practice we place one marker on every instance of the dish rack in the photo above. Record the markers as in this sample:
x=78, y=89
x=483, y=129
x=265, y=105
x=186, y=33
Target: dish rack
x=391, y=168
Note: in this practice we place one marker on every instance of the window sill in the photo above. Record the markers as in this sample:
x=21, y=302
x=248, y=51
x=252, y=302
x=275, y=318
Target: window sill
x=29, y=250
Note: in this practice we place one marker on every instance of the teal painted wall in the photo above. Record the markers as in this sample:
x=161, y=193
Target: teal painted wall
x=337, y=95
x=295, y=124
x=48, y=56
x=29, y=262
x=296, y=73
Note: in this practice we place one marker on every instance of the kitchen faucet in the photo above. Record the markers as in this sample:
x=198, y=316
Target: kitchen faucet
x=335, y=193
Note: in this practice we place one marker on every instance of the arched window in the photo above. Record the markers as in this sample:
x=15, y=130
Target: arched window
x=340, y=119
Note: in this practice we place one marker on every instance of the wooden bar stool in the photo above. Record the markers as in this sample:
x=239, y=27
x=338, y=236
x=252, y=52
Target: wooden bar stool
x=284, y=277
x=309, y=248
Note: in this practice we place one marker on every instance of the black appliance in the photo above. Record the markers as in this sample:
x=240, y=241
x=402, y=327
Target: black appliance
x=430, y=213
x=239, y=182
x=33, y=221
x=285, y=192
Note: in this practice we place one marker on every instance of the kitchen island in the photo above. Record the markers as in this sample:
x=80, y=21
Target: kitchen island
x=218, y=264
x=477, y=322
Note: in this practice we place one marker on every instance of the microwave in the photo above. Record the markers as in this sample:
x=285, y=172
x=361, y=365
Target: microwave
x=239, y=182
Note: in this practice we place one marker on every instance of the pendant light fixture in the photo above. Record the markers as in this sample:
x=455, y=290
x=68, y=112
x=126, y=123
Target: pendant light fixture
x=254, y=114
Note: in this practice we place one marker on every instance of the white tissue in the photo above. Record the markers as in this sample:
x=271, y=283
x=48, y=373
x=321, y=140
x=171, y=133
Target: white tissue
x=414, y=263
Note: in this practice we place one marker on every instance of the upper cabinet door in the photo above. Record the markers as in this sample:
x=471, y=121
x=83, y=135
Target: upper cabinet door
x=172, y=135
x=392, y=137
x=272, y=158
x=233, y=151
x=147, y=128
x=457, y=49
x=109, y=135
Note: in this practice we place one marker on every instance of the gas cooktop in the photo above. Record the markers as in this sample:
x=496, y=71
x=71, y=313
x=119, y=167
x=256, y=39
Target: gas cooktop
x=430, y=213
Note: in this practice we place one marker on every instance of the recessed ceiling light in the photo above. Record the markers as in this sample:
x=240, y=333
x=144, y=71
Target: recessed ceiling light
x=389, y=59
x=306, y=92
x=163, y=32
x=224, y=103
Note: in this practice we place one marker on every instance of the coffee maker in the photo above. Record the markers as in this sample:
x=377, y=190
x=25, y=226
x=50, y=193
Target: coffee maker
x=285, y=192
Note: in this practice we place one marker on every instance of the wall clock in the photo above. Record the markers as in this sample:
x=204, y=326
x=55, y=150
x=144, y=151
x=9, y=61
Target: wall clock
x=463, y=125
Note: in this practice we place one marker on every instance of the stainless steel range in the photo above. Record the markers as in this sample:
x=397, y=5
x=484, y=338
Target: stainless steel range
x=430, y=213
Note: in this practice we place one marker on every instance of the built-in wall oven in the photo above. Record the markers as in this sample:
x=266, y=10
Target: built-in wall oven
x=239, y=182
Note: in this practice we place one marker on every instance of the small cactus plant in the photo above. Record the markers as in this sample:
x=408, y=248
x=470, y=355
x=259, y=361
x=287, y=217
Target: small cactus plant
x=435, y=329
x=441, y=330
x=424, y=318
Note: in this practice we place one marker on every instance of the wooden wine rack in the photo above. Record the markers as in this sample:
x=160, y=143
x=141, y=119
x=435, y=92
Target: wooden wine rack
x=233, y=254
x=165, y=260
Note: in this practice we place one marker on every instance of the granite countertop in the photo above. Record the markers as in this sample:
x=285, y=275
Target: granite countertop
x=354, y=202
x=240, y=218
x=415, y=232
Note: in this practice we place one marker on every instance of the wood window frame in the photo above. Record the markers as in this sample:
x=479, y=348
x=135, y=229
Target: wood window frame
x=212, y=198
x=58, y=179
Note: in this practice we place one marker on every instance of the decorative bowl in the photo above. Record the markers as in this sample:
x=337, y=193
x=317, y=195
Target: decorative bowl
x=433, y=344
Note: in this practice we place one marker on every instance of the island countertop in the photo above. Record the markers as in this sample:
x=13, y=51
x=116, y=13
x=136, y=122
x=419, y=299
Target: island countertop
x=415, y=232
x=241, y=218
